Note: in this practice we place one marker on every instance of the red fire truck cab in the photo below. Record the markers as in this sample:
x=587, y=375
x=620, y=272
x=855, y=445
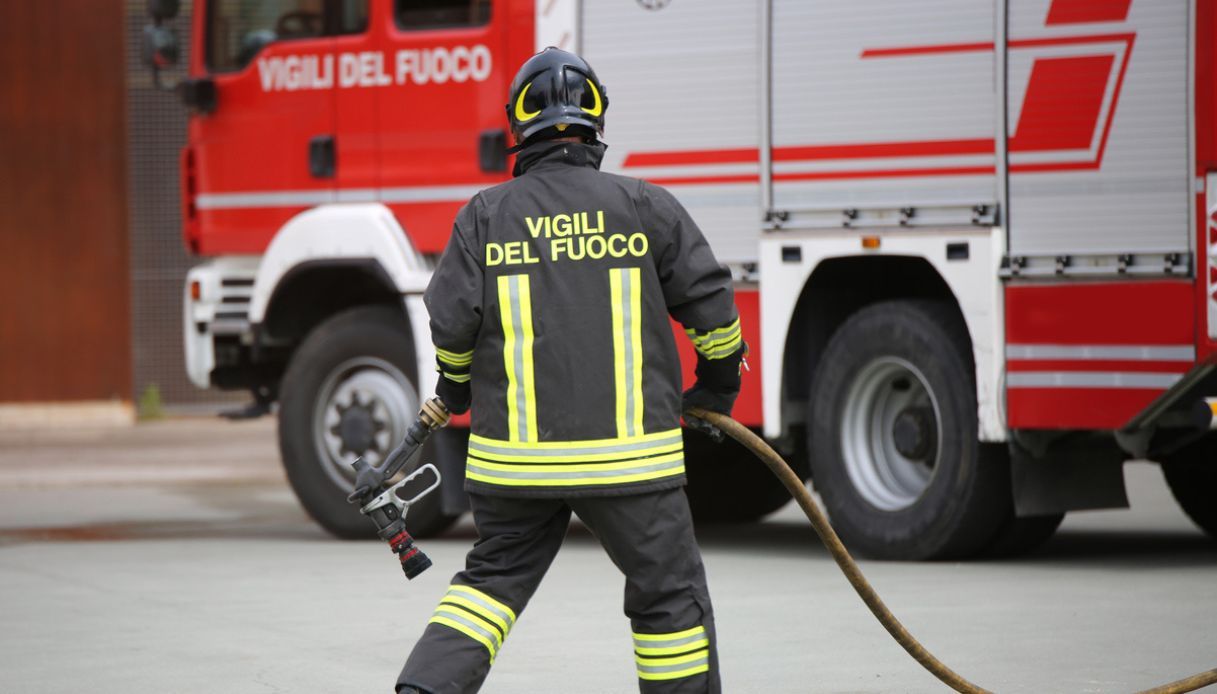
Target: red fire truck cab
x=974, y=242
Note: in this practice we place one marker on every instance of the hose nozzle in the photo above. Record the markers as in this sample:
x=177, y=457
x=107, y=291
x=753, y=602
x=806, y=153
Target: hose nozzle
x=434, y=414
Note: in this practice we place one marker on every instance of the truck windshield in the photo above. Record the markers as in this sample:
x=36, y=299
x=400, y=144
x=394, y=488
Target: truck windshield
x=238, y=29
x=441, y=14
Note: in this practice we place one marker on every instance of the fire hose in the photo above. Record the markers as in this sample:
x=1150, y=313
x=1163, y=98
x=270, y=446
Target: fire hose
x=388, y=510
x=794, y=484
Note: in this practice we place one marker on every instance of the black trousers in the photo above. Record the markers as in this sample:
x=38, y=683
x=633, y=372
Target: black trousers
x=650, y=539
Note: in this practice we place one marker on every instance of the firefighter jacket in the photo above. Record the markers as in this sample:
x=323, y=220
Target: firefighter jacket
x=552, y=300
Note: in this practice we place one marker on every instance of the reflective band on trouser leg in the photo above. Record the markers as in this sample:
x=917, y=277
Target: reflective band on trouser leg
x=476, y=615
x=576, y=463
x=673, y=655
x=515, y=310
x=625, y=285
x=718, y=343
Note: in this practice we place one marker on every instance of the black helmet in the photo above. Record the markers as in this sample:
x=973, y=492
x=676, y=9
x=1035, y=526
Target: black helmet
x=556, y=90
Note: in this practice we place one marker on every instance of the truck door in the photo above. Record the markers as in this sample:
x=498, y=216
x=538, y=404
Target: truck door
x=1098, y=137
x=885, y=106
x=450, y=84
x=267, y=150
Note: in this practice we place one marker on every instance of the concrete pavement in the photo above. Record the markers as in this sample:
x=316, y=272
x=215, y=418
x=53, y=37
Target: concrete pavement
x=172, y=557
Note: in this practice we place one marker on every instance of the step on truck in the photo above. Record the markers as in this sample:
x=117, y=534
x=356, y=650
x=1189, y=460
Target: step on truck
x=975, y=242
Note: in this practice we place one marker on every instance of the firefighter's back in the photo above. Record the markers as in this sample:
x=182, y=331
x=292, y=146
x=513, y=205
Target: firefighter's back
x=575, y=361
x=574, y=240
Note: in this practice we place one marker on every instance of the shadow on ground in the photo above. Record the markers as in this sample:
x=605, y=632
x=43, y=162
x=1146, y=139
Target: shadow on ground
x=256, y=512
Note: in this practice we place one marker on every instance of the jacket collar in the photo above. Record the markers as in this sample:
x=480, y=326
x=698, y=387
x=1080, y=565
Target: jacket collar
x=549, y=153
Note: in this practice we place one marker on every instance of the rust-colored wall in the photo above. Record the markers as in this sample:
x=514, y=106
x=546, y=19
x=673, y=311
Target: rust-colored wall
x=64, y=279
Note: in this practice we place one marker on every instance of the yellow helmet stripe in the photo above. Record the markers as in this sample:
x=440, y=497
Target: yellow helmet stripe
x=598, y=108
x=521, y=114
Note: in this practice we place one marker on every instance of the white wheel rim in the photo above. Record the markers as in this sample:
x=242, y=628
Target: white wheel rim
x=884, y=390
x=363, y=409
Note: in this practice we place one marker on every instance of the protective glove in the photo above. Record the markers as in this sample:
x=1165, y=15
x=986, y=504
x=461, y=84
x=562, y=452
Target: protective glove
x=456, y=396
x=716, y=388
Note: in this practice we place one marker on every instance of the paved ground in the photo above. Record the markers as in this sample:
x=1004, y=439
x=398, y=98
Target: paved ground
x=172, y=558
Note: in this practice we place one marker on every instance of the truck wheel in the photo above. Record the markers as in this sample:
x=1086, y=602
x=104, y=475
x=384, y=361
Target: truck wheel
x=727, y=484
x=347, y=393
x=1191, y=473
x=893, y=436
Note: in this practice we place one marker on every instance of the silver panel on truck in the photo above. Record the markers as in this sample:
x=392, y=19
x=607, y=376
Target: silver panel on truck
x=883, y=104
x=1098, y=129
x=682, y=82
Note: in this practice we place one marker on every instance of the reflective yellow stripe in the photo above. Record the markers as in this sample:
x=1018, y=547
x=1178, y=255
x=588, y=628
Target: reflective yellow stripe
x=477, y=621
x=453, y=358
x=669, y=637
x=476, y=615
x=635, y=298
x=456, y=378
x=672, y=649
x=619, y=375
x=674, y=660
x=714, y=334
x=575, y=481
x=479, y=595
x=724, y=351
x=602, y=450
x=603, y=458
x=704, y=667
x=530, y=387
x=587, y=467
x=509, y=359
x=574, y=446
x=480, y=638
x=671, y=643
x=718, y=343
x=733, y=337
x=576, y=463
x=515, y=311
x=672, y=655
x=626, y=294
x=479, y=610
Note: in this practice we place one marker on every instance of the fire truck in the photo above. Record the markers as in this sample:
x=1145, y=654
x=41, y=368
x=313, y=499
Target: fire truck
x=975, y=242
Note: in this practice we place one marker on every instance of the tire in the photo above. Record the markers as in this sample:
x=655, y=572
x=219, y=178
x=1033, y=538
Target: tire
x=893, y=436
x=1191, y=474
x=348, y=391
x=727, y=484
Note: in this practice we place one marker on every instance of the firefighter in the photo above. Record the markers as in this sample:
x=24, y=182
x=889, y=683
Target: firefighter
x=549, y=312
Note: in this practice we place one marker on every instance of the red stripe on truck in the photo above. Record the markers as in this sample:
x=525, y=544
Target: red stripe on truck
x=1083, y=11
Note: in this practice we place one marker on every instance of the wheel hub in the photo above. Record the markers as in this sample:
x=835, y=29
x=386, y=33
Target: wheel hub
x=890, y=433
x=362, y=410
x=358, y=425
x=913, y=432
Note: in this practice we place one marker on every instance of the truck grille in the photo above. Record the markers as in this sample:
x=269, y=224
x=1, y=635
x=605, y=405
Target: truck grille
x=232, y=315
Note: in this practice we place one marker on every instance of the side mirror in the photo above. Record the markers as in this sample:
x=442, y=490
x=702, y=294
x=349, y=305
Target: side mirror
x=160, y=48
x=492, y=151
x=161, y=10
